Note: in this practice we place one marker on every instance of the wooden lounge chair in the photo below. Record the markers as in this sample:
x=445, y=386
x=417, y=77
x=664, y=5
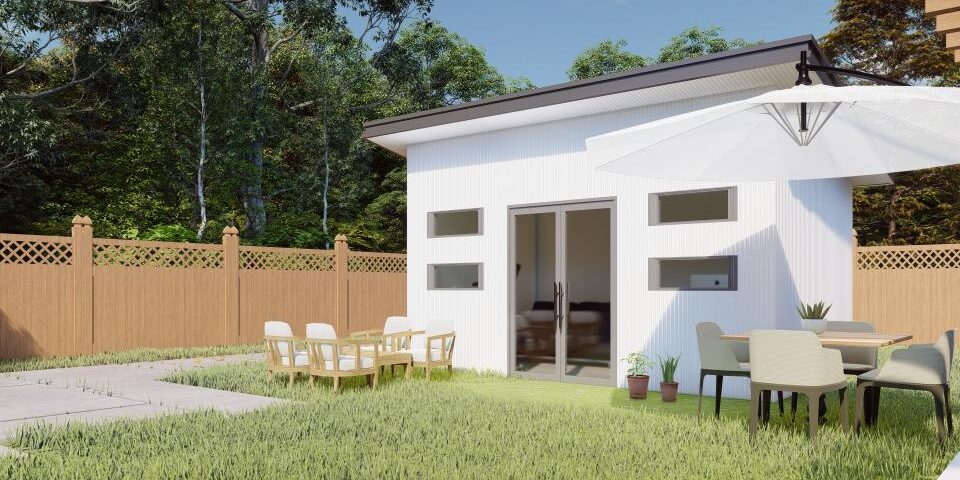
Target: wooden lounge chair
x=280, y=342
x=432, y=348
x=918, y=367
x=333, y=358
x=794, y=361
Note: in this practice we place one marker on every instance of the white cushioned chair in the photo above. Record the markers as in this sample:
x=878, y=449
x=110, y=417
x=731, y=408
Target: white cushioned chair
x=432, y=348
x=718, y=357
x=280, y=341
x=333, y=358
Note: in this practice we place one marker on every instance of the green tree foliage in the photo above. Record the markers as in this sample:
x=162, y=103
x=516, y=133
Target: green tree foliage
x=894, y=39
x=605, y=57
x=696, y=41
x=132, y=112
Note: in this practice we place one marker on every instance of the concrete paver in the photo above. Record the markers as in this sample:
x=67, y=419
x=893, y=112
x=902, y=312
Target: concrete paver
x=110, y=392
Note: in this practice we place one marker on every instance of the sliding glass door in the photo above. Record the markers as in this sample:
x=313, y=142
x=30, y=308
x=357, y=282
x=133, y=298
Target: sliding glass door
x=562, y=292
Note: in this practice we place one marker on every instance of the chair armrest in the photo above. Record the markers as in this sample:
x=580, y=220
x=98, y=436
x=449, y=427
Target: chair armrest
x=446, y=341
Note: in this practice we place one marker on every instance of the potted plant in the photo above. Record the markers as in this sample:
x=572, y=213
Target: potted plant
x=637, y=378
x=668, y=385
x=812, y=316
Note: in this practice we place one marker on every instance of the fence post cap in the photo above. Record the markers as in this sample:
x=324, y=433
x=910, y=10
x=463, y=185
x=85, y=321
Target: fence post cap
x=230, y=231
x=78, y=220
x=340, y=238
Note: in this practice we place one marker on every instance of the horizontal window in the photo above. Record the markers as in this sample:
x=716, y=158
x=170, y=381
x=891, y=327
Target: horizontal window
x=455, y=276
x=454, y=223
x=714, y=205
x=701, y=273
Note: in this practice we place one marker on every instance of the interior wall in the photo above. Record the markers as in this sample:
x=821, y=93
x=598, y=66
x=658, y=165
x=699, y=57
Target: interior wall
x=588, y=255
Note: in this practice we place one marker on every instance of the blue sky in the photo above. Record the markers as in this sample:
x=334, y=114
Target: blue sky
x=539, y=38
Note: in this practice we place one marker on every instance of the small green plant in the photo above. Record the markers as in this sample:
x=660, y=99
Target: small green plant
x=638, y=364
x=668, y=367
x=813, y=311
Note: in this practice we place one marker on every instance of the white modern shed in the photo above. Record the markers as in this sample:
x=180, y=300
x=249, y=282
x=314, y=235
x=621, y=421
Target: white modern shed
x=549, y=268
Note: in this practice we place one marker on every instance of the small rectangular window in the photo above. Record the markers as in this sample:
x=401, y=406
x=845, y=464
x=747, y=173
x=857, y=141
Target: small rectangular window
x=701, y=273
x=691, y=206
x=455, y=276
x=454, y=223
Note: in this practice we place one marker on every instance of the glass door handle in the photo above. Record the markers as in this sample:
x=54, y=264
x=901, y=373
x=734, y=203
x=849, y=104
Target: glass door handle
x=560, y=306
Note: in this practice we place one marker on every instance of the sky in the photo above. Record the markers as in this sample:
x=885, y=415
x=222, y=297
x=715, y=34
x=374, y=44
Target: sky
x=539, y=39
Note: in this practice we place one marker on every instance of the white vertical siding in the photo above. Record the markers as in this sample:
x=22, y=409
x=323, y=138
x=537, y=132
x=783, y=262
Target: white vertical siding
x=791, y=239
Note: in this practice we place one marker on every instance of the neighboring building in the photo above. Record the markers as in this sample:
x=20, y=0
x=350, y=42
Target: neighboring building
x=506, y=211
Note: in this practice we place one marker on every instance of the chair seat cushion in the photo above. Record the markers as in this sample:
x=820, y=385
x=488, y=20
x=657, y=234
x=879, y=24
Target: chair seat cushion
x=299, y=360
x=420, y=354
x=349, y=363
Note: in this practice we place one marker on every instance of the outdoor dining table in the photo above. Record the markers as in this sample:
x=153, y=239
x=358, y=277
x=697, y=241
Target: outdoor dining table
x=840, y=339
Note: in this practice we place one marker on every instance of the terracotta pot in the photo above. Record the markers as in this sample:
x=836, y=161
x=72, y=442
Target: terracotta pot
x=668, y=391
x=637, y=385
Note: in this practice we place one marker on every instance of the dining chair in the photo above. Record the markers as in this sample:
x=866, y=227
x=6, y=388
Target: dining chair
x=718, y=357
x=280, y=342
x=856, y=360
x=917, y=367
x=335, y=358
x=794, y=360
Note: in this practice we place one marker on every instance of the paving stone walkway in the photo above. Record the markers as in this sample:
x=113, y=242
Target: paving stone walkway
x=110, y=392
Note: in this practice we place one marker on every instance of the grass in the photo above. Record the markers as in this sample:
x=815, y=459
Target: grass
x=126, y=356
x=474, y=425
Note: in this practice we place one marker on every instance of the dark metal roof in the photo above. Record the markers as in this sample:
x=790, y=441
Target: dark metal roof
x=756, y=56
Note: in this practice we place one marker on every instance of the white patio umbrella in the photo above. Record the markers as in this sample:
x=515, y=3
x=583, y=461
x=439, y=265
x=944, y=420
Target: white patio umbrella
x=845, y=132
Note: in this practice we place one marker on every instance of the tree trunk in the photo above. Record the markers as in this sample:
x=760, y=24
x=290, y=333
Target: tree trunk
x=253, y=202
x=326, y=176
x=892, y=213
x=202, y=140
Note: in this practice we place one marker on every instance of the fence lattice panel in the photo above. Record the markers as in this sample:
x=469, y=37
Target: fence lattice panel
x=296, y=260
x=131, y=255
x=35, y=252
x=377, y=263
x=934, y=258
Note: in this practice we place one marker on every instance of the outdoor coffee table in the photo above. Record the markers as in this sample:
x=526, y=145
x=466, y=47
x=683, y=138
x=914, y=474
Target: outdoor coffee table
x=386, y=357
x=842, y=339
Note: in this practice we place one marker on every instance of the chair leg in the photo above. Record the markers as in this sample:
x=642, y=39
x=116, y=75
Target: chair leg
x=859, y=406
x=754, y=412
x=311, y=380
x=794, y=398
x=938, y=405
x=427, y=372
x=949, y=409
x=700, y=395
x=844, y=422
x=450, y=369
x=813, y=414
x=336, y=384
x=718, y=396
x=875, y=406
x=407, y=370
x=376, y=380
x=291, y=379
x=780, y=401
x=766, y=406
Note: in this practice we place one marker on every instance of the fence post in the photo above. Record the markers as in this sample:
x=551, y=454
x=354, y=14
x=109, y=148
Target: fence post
x=231, y=290
x=342, y=252
x=82, y=233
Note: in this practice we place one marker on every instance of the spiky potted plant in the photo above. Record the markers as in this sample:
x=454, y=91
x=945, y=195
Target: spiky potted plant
x=637, y=379
x=668, y=384
x=812, y=316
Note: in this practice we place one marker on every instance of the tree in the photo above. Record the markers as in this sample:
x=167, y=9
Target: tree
x=605, y=57
x=443, y=68
x=300, y=18
x=894, y=39
x=697, y=41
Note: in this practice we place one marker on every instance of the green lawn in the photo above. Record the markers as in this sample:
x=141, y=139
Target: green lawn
x=126, y=356
x=475, y=426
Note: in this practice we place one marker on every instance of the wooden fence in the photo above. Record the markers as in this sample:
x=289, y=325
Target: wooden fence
x=80, y=294
x=910, y=289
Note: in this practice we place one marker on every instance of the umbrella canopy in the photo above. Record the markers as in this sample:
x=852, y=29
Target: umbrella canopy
x=805, y=132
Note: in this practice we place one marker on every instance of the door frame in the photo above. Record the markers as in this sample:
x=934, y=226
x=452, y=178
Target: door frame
x=560, y=209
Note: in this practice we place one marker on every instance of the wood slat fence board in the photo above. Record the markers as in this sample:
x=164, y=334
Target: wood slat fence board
x=79, y=294
x=913, y=289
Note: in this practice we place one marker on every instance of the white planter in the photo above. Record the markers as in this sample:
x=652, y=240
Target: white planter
x=813, y=325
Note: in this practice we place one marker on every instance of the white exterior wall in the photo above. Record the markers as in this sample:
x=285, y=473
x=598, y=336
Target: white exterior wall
x=792, y=240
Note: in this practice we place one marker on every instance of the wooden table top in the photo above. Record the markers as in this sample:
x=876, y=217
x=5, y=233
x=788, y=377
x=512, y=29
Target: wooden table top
x=842, y=339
